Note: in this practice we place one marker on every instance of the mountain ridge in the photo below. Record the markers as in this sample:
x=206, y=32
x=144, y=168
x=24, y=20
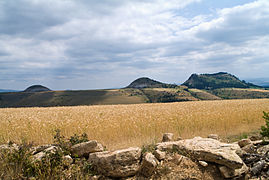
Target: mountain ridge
x=216, y=80
x=215, y=86
x=8, y=90
x=145, y=82
x=36, y=88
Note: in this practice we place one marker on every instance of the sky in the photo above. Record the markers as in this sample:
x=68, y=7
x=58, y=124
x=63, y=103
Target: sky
x=93, y=44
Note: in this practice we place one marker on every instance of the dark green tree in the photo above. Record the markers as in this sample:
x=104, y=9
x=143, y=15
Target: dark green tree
x=265, y=129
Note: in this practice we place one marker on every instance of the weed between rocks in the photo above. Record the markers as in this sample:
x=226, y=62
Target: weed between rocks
x=18, y=161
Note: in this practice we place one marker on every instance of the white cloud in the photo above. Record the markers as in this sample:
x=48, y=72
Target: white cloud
x=76, y=40
x=237, y=24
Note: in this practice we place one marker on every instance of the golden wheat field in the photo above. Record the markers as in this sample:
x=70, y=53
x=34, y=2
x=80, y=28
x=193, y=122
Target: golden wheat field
x=120, y=126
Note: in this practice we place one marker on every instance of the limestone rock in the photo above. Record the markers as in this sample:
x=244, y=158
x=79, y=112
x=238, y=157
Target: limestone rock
x=176, y=158
x=167, y=137
x=9, y=147
x=67, y=160
x=263, y=149
x=120, y=163
x=203, y=163
x=257, y=167
x=148, y=165
x=258, y=142
x=231, y=173
x=167, y=146
x=206, y=149
x=241, y=153
x=250, y=159
x=213, y=136
x=244, y=142
x=40, y=155
x=160, y=155
x=255, y=137
x=85, y=148
x=40, y=148
x=250, y=148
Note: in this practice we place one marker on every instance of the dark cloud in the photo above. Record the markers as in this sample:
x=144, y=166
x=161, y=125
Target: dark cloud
x=26, y=17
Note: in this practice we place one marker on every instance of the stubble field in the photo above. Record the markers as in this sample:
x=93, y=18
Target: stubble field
x=120, y=126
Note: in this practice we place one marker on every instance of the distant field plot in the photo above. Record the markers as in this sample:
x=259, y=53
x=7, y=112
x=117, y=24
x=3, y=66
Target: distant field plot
x=119, y=126
x=239, y=93
x=203, y=95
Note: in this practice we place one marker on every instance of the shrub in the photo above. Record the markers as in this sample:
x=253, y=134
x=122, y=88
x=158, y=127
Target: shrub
x=18, y=162
x=50, y=167
x=148, y=148
x=62, y=142
x=265, y=129
x=65, y=144
x=76, y=139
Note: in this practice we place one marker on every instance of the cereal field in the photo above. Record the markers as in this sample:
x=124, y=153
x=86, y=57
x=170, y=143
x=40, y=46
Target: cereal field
x=120, y=126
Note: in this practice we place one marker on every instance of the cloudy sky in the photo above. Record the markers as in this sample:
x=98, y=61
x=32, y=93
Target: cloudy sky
x=90, y=44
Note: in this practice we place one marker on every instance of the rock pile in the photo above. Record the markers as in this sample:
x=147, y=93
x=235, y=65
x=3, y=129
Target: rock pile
x=209, y=150
x=255, y=156
x=208, y=156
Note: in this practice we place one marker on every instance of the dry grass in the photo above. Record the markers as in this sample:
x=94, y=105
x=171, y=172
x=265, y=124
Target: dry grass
x=252, y=90
x=203, y=95
x=119, y=126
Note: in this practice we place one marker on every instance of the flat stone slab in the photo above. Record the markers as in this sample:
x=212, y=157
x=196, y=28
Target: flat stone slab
x=120, y=163
x=85, y=148
x=206, y=149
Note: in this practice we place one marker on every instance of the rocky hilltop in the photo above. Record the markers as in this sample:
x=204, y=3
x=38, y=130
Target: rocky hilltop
x=216, y=80
x=36, y=88
x=145, y=82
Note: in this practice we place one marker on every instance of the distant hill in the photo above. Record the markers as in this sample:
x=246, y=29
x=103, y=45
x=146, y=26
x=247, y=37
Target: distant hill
x=36, y=88
x=72, y=98
x=215, y=81
x=143, y=90
x=164, y=95
x=264, y=82
x=7, y=90
x=145, y=82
